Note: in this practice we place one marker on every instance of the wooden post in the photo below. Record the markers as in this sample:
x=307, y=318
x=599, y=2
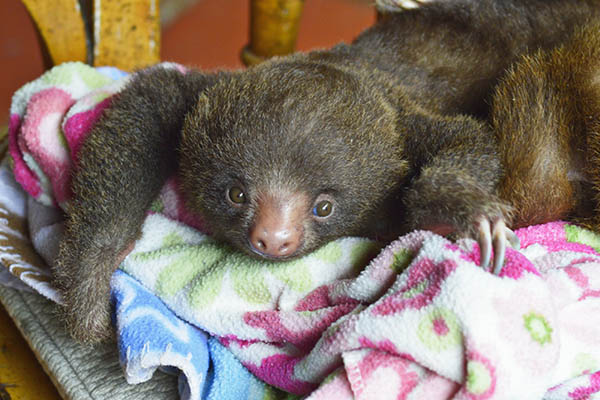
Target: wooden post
x=273, y=29
x=122, y=33
x=60, y=26
x=126, y=33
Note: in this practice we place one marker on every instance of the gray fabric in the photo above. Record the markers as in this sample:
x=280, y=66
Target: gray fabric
x=45, y=229
x=79, y=372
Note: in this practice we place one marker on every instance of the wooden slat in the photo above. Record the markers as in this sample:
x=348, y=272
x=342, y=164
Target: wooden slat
x=126, y=33
x=273, y=29
x=61, y=28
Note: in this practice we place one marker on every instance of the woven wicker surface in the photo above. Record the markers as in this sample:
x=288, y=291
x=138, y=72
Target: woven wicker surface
x=78, y=372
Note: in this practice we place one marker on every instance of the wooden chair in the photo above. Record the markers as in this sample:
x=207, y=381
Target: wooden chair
x=126, y=33
x=273, y=29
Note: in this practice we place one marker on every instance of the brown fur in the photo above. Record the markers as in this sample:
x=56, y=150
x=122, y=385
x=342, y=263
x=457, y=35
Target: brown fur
x=374, y=126
x=546, y=115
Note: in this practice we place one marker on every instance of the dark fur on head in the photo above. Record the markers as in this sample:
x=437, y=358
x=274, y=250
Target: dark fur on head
x=268, y=131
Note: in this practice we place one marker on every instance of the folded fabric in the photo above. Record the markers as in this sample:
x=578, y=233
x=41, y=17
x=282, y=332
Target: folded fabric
x=443, y=324
x=421, y=321
x=151, y=336
x=17, y=255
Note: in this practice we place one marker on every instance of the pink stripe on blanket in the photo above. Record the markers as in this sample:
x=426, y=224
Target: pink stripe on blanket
x=384, y=345
x=302, y=330
x=584, y=393
x=423, y=285
x=553, y=236
x=28, y=180
x=545, y=234
x=278, y=370
x=379, y=374
x=41, y=136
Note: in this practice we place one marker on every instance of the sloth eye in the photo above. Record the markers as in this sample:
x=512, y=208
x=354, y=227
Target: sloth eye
x=323, y=209
x=236, y=195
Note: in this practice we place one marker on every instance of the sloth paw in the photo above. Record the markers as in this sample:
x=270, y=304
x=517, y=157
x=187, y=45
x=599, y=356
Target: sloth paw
x=88, y=323
x=494, y=236
x=399, y=5
x=85, y=294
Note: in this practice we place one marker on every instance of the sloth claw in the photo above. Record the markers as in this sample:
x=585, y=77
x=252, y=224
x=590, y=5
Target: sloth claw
x=494, y=236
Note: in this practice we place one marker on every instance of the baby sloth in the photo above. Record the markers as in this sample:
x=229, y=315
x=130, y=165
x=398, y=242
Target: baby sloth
x=362, y=139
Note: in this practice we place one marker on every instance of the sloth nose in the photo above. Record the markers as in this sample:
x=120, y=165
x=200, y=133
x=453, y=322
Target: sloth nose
x=277, y=229
x=274, y=241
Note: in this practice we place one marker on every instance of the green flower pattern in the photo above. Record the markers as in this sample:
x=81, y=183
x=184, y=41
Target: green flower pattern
x=201, y=270
x=538, y=327
x=576, y=234
x=402, y=260
x=584, y=363
x=479, y=379
x=439, y=330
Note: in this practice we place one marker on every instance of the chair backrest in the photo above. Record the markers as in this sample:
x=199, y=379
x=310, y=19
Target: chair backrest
x=124, y=33
x=273, y=29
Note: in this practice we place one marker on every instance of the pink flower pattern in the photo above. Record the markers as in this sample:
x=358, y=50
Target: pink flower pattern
x=424, y=283
x=584, y=393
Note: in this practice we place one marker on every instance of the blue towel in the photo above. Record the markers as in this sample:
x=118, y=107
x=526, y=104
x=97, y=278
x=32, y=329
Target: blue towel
x=150, y=336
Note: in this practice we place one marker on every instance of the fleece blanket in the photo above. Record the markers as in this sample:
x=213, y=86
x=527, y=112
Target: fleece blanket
x=418, y=319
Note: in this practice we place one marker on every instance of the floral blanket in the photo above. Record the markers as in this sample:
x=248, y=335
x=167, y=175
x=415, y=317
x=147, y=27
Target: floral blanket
x=418, y=319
